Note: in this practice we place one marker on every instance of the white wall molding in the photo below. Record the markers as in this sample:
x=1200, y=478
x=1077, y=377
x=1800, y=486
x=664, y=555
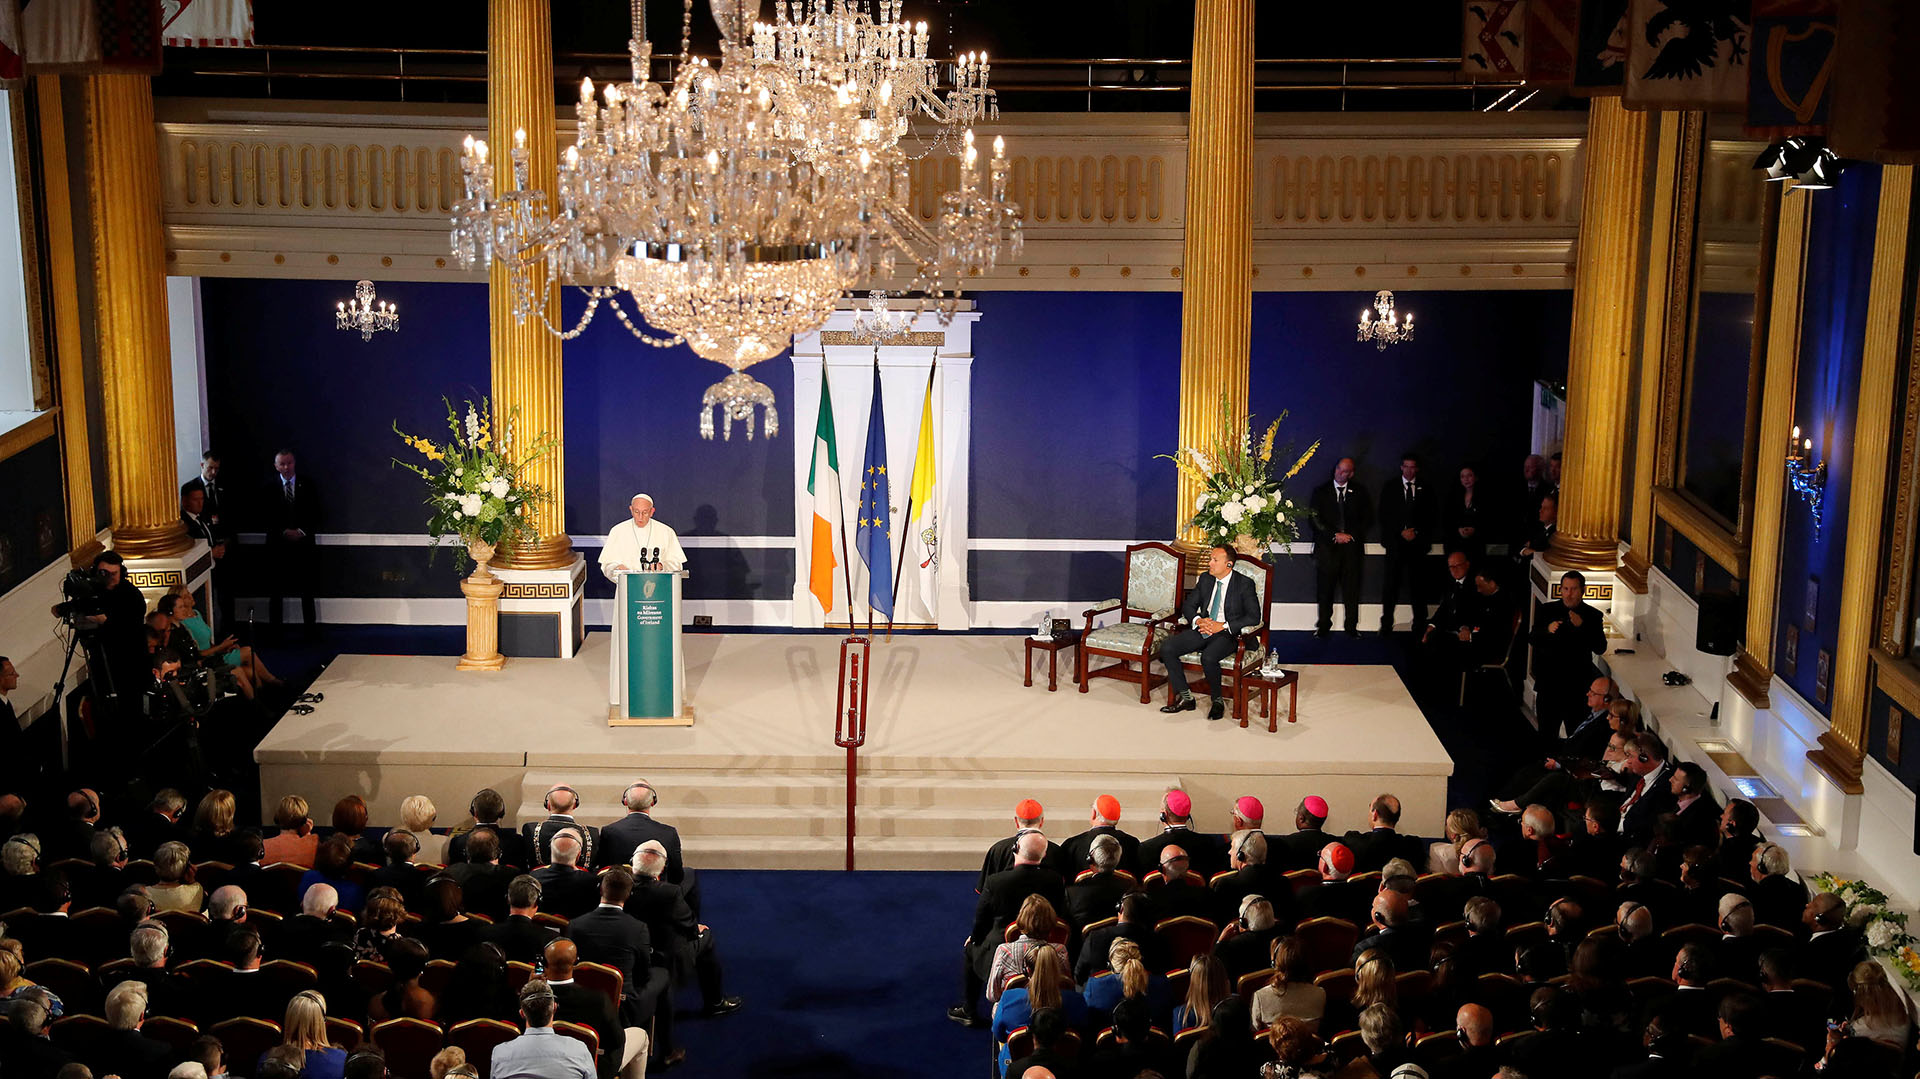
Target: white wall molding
x=452, y=610
x=411, y=539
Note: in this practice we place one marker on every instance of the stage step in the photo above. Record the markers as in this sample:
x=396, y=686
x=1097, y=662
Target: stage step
x=755, y=820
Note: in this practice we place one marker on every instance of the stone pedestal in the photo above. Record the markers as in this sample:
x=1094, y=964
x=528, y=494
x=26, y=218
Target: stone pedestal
x=482, y=590
x=154, y=575
x=542, y=611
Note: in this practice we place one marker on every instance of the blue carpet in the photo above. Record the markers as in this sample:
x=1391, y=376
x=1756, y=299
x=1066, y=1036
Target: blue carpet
x=849, y=974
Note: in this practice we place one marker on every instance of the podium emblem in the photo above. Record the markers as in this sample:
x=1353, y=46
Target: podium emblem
x=648, y=587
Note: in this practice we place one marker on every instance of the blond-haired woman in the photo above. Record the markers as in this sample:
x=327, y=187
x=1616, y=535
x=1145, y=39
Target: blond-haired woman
x=1048, y=986
x=1126, y=978
x=1444, y=856
x=214, y=836
x=1036, y=922
x=417, y=814
x=305, y=1029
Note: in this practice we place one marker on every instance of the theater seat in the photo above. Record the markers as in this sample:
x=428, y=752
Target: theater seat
x=245, y=1038
x=477, y=1037
x=408, y=1043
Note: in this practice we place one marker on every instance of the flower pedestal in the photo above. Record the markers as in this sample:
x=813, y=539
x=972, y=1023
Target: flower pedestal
x=1246, y=545
x=482, y=590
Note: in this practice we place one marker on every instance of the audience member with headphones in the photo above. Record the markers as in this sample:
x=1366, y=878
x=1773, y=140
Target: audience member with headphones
x=620, y=839
x=561, y=802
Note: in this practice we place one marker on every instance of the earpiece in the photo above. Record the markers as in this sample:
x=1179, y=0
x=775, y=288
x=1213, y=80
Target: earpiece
x=626, y=796
x=547, y=802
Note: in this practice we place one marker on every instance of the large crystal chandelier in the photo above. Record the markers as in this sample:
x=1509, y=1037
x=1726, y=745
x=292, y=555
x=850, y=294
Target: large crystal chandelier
x=738, y=203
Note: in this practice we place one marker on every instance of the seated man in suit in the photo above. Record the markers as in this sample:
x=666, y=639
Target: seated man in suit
x=1335, y=896
x=565, y=888
x=1691, y=1005
x=489, y=809
x=1394, y=933
x=998, y=905
x=1207, y=851
x=400, y=873
x=1382, y=842
x=1253, y=874
x=620, y=1045
x=1829, y=954
x=620, y=839
x=483, y=880
x=1104, y=819
x=1095, y=893
x=240, y=991
x=1446, y=641
x=518, y=936
x=1221, y=606
x=1301, y=848
x=1181, y=893
x=301, y=937
x=1778, y=899
x=1248, y=943
x=1135, y=924
x=687, y=944
x=560, y=802
x=1028, y=816
x=609, y=935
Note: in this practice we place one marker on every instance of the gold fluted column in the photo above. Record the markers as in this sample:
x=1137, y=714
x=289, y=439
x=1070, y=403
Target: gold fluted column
x=1753, y=665
x=1216, y=296
x=526, y=357
x=130, y=289
x=1606, y=288
x=1839, y=755
x=1663, y=209
x=63, y=287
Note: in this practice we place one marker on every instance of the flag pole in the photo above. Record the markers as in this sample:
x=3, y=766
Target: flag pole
x=876, y=388
x=901, y=562
x=840, y=503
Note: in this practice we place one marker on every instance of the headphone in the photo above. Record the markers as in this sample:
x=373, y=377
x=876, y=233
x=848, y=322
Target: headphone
x=547, y=802
x=1240, y=848
x=92, y=807
x=626, y=795
x=1468, y=848
x=1246, y=901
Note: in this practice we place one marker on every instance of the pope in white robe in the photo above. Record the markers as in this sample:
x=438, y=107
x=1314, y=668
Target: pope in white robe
x=632, y=542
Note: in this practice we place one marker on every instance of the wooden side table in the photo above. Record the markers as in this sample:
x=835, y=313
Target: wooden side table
x=1268, y=687
x=1052, y=649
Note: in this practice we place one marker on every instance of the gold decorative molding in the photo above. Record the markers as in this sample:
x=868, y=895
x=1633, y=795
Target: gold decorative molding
x=63, y=293
x=1684, y=515
x=1894, y=608
x=1843, y=743
x=537, y=590
x=1676, y=338
x=28, y=434
x=912, y=339
x=1417, y=186
x=1898, y=679
x=1656, y=299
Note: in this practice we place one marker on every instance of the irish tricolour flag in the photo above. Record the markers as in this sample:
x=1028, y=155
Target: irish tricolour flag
x=823, y=483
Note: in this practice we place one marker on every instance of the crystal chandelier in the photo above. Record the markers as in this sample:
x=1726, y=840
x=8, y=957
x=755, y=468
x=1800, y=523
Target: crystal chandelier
x=876, y=326
x=1382, y=325
x=365, y=314
x=736, y=205
x=866, y=45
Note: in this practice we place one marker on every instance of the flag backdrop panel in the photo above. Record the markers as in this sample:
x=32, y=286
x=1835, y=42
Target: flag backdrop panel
x=1790, y=80
x=1683, y=54
x=1552, y=27
x=1876, y=93
x=1600, y=56
x=1493, y=38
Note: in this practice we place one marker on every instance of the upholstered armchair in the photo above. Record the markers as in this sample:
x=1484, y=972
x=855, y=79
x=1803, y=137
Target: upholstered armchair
x=1250, y=649
x=1147, y=608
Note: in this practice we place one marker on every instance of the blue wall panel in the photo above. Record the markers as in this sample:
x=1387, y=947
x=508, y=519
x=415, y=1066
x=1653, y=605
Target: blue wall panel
x=1833, y=317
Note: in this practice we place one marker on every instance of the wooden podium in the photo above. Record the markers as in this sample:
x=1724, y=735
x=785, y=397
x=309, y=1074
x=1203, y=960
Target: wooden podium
x=646, y=677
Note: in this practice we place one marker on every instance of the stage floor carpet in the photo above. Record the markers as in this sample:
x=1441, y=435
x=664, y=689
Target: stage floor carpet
x=954, y=740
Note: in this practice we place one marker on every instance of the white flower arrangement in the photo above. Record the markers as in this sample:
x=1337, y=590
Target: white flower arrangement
x=1241, y=494
x=1884, y=928
x=475, y=489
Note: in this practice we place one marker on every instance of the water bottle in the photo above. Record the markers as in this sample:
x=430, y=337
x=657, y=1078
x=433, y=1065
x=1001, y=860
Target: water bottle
x=1046, y=626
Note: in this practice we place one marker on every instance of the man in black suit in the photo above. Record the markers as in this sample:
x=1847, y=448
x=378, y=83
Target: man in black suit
x=999, y=903
x=565, y=888
x=1667, y=1053
x=488, y=809
x=560, y=803
x=399, y=872
x=1301, y=848
x=1409, y=523
x=1833, y=948
x=1253, y=873
x=1103, y=819
x=518, y=936
x=1699, y=814
x=687, y=945
x=1134, y=1050
x=1222, y=605
x=1342, y=515
x=1335, y=896
x=304, y=937
x=1691, y=1005
x=1786, y=1011
x=608, y=934
x=483, y=880
x=1739, y=835
x=1394, y=932
x=1206, y=851
x=576, y=1004
x=160, y=823
x=1382, y=842
x=214, y=493
x=1537, y=535
x=1098, y=889
x=201, y=526
x=1135, y=924
x=1028, y=817
x=1180, y=893
x=121, y=1049
x=166, y=993
x=620, y=839
x=1742, y=1051
x=24, y=1042
x=290, y=516
x=1446, y=641
x=1651, y=773
x=240, y=991
x=1252, y=930
x=1567, y=634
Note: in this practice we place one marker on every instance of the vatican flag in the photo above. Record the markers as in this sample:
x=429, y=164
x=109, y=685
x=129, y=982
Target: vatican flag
x=923, y=542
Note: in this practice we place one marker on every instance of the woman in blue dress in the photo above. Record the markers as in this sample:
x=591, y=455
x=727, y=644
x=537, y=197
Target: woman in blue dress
x=248, y=672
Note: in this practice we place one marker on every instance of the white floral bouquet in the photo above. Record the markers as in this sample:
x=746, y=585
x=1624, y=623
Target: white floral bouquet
x=1241, y=496
x=474, y=485
x=1884, y=928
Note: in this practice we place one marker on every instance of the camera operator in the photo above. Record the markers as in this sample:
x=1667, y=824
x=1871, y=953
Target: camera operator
x=173, y=706
x=109, y=609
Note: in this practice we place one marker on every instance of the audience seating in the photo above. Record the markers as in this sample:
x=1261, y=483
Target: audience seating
x=1454, y=934
x=178, y=1033
x=1437, y=1050
x=245, y=1039
x=408, y=1043
x=141, y=871
x=581, y=1032
x=1183, y=1041
x=204, y=968
x=1111, y=919
x=1179, y=981
x=477, y=1037
x=1302, y=879
x=279, y=887
x=518, y=974
x=345, y=1033
x=96, y=920
x=1502, y=666
x=70, y=981
x=211, y=875
x=1506, y=997
x=1252, y=983
x=1184, y=937
x=74, y=1032
x=1347, y=1046
x=1057, y=935
x=1339, y=984
x=1693, y=933
x=437, y=976
x=1527, y=935
x=602, y=978
x=372, y=976
x=1327, y=942
x=289, y=977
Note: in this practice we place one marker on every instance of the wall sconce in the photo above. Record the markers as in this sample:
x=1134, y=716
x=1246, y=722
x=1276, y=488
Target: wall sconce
x=1808, y=477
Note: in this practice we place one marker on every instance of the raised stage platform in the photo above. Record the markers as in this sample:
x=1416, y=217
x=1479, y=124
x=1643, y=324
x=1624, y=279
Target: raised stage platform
x=954, y=740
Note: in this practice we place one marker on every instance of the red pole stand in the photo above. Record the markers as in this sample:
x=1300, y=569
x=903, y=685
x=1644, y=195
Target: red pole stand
x=850, y=719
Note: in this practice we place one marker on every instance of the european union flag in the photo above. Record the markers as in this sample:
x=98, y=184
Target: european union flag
x=875, y=535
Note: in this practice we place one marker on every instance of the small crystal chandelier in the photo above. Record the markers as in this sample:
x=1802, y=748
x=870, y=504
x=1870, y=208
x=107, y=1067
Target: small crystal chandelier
x=875, y=326
x=363, y=313
x=1381, y=325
